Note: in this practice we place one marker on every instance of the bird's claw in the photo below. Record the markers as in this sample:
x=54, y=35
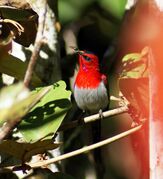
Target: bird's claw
x=101, y=116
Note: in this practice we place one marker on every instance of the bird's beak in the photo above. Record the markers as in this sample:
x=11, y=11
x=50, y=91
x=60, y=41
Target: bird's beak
x=76, y=50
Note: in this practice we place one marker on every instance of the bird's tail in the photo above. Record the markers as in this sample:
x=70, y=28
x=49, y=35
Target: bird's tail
x=96, y=137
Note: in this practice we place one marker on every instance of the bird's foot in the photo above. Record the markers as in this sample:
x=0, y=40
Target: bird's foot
x=101, y=116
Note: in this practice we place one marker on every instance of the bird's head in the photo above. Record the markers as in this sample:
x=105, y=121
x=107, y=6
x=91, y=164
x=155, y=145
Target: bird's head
x=87, y=59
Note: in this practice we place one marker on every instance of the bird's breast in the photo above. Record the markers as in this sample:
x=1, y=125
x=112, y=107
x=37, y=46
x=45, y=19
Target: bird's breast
x=91, y=99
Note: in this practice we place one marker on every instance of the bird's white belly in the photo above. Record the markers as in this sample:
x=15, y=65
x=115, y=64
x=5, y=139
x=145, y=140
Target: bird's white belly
x=91, y=99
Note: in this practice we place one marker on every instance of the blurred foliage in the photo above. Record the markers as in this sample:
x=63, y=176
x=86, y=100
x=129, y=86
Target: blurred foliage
x=116, y=8
x=16, y=101
x=70, y=10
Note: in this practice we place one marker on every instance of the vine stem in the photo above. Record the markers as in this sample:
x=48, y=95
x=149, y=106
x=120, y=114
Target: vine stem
x=37, y=45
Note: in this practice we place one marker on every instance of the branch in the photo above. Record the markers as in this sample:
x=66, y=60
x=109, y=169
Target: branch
x=7, y=127
x=92, y=118
x=85, y=120
x=37, y=45
x=82, y=150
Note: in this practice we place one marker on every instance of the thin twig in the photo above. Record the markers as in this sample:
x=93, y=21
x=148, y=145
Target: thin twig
x=92, y=118
x=37, y=45
x=82, y=150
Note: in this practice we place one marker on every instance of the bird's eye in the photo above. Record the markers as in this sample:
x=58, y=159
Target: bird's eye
x=87, y=58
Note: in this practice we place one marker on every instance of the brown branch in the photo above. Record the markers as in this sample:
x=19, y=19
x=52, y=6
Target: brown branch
x=92, y=118
x=82, y=150
x=37, y=45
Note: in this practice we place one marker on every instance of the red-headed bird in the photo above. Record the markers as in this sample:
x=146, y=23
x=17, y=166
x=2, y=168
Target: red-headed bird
x=90, y=90
x=91, y=95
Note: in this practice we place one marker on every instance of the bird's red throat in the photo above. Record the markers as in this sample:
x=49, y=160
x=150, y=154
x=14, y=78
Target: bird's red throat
x=88, y=79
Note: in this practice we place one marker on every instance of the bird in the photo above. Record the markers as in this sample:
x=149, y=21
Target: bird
x=91, y=92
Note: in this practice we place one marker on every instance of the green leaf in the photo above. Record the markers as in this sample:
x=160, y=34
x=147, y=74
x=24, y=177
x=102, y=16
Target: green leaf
x=131, y=56
x=116, y=7
x=134, y=65
x=13, y=66
x=46, y=117
x=16, y=101
x=24, y=151
x=72, y=9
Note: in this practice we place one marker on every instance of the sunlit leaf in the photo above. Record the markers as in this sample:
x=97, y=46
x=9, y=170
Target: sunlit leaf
x=45, y=118
x=135, y=65
x=24, y=151
x=131, y=56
